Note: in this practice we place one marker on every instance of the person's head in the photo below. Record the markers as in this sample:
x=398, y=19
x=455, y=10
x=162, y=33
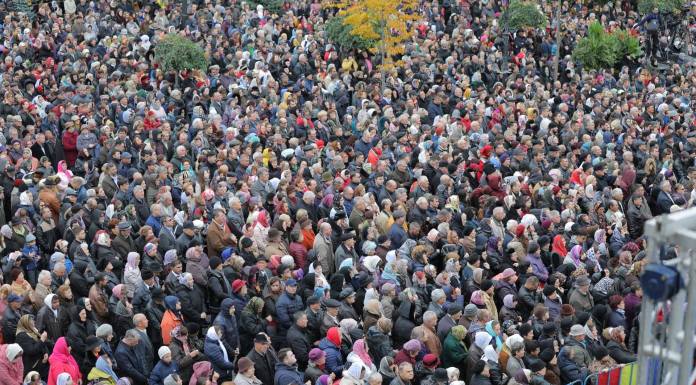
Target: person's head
x=165, y=354
x=517, y=349
x=246, y=367
x=173, y=379
x=132, y=337
x=616, y=302
x=287, y=357
x=532, y=282
x=577, y=332
x=64, y=379
x=430, y=319
x=317, y=356
x=405, y=371
x=140, y=321
x=300, y=318
x=618, y=334
x=374, y=379
x=261, y=343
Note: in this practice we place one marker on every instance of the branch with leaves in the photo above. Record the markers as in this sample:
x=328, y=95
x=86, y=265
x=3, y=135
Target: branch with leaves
x=177, y=53
x=603, y=50
x=387, y=23
x=523, y=14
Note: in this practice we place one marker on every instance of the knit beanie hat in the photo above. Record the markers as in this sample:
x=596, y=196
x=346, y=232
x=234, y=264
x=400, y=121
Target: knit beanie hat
x=163, y=351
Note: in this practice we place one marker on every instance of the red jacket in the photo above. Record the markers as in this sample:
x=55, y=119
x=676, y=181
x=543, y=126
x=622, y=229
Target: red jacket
x=70, y=147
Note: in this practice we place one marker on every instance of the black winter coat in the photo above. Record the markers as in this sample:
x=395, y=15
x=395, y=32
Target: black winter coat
x=34, y=351
x=130, y=364
x=405, y=323
x=192, y=302
x=77, y=335
x=230, y=334
x=299, y=343
x=620, y=354
x=249, y=326
x=379, y=344
x=218, y=289
x=264, y=365
x=47, y=322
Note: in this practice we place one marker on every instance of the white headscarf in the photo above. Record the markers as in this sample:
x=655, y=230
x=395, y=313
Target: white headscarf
x=48, y=300
x=63, y=379
x=482, y=339
x=212, y=334
x=490, y=353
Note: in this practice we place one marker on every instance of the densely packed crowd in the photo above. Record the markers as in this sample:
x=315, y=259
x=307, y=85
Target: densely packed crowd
x=291, y=216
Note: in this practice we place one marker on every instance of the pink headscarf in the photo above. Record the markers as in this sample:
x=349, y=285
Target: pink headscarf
x=200, y=369
x=61, y=358
x=118, y=291
x=360, y=349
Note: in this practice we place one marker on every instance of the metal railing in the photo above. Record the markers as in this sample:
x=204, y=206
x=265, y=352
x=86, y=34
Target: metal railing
x=619, y=375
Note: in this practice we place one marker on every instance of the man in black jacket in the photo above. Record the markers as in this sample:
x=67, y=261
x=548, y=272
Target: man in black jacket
x=264, y=358
x=129, y=362
x=299, y=340
x=529, y=296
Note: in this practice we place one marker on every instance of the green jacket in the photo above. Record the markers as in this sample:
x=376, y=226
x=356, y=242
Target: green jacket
x=454, y=352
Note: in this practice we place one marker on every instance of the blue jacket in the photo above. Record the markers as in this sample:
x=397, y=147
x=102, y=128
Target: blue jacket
x=287, y=375
x=161, y=371
x=230, y=336
x=130, y=364
x=239, y=303
x=216, y=357
x=334, y=359
x=155, y=223
x=397, y=235
x=286, y=307
x=570, y=370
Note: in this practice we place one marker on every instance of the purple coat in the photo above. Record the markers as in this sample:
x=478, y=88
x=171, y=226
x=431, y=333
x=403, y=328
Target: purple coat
x=538, y=267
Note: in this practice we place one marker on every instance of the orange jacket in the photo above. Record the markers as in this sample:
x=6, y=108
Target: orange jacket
x=169, y=322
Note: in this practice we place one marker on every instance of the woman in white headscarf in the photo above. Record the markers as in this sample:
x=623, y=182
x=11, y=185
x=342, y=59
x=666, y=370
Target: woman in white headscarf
x=218, y=356
x=131, y=274
x=490, y=355
x=11, y=365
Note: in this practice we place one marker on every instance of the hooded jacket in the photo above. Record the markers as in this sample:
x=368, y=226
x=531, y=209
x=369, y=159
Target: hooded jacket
x=219, y=357
x=171, y=319
x=47, y=319
x=62, y=362
x=11, y=369
x=331, y=346
x=230, y=332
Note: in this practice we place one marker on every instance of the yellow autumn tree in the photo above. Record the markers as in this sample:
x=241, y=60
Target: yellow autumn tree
x=390, y=23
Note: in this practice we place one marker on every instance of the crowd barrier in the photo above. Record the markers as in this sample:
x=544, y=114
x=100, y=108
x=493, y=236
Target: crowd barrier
x=619, y=375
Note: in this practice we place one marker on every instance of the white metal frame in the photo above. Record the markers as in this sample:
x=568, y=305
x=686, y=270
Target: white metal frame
x=675, y=349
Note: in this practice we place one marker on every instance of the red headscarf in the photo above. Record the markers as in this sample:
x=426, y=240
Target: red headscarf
x=558, y=246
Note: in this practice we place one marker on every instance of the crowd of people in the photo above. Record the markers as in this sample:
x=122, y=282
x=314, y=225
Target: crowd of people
x=294, y=214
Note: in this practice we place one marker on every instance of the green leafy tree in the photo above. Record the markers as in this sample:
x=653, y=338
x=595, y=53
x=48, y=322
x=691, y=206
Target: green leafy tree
x=177, y=53
x=646, y=6
x=341, y=34
x=626, y=45
x=273, y=6
x=603, y=50
x=523, y=14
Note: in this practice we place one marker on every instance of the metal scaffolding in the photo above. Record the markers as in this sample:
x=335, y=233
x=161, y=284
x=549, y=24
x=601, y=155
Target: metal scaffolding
x=665, y=356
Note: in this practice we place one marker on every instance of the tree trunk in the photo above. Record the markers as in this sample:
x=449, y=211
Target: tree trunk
x=556, y=57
